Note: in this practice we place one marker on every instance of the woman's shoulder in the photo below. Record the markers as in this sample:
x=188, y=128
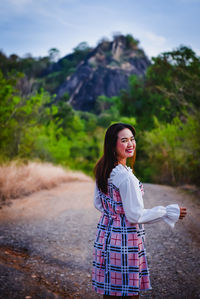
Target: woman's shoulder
x=120, y=173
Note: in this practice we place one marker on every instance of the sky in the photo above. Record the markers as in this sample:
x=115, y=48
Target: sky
x=36, y=26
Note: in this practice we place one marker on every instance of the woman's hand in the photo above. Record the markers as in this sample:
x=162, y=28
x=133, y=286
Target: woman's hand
x=183, y=212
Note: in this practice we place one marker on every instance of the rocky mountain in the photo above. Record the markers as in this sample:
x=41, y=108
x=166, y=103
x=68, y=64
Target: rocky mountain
x=104, y=71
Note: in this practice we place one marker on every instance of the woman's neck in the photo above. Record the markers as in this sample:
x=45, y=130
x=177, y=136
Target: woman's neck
x=123, y=162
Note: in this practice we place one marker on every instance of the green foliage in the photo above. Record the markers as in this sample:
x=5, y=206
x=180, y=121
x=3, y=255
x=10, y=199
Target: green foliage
x=82, y=47
x=131, y=100
x=175, y=76
x=17, y=115
x=32, y=67
x=173, y=151
x=131, y=42
x=51, y=145
x=170, y=89
x=54, y=54
x=65, y=67
x=163, y=108
x=30, y=128
x=104, y=103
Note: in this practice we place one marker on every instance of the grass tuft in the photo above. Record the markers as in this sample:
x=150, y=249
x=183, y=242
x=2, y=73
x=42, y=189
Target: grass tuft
x=17, y=180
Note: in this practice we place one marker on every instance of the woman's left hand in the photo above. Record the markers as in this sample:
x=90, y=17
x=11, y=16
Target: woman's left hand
x=183, y=212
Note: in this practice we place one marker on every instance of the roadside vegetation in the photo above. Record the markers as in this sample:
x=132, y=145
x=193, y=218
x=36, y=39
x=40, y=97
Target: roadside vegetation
x=164, y=108
x=18, y=179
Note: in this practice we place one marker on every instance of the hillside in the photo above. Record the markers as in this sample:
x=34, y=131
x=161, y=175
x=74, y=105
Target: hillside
x=41, y=103
x=104, y=71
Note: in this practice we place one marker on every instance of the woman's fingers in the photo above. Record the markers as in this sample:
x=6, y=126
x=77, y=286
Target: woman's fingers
x=183, y=212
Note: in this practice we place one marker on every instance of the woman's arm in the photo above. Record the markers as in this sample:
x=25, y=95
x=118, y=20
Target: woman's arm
x=134, y=209
x=97, y=200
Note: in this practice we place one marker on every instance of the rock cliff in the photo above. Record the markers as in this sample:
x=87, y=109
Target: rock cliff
x=104, y=71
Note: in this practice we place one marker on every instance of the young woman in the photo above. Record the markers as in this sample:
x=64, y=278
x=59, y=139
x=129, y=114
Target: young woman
x=120, y=265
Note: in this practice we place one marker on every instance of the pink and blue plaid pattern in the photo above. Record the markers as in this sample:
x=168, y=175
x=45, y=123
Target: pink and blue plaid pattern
x=119, y=265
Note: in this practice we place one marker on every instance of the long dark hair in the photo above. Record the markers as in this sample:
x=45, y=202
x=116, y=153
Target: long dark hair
x=108, y=161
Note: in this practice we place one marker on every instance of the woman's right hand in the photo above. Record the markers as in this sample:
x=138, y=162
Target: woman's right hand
x=183, y=212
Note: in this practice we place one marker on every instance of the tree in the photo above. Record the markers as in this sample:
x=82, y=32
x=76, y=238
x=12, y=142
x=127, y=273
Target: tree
x=172, y=151
x=54, y=54
x=82, y=47
x=175, y=76
x=131, y=42
x=17, y=115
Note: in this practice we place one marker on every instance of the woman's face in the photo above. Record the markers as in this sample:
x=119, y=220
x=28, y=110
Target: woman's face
x=126, y=144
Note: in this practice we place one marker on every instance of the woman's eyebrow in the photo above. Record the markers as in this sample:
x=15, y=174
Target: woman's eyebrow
x=127, y=137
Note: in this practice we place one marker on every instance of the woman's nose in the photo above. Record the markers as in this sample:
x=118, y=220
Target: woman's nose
x=130, y=142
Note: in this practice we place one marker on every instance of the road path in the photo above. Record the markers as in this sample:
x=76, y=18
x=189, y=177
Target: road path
x=46, y=242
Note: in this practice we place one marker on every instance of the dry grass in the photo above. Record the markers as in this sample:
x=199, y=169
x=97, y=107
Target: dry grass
x=18, y=180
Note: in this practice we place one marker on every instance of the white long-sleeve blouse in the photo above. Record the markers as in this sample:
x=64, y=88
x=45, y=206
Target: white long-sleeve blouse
x=127, y=183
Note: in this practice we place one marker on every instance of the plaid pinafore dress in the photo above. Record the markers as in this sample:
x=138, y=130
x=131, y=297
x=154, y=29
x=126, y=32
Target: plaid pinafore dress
x=119, y=259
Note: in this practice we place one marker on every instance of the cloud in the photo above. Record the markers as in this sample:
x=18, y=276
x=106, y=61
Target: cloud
x=38, y=25
x=197, y=51
x=156, y=39
x=153, y=43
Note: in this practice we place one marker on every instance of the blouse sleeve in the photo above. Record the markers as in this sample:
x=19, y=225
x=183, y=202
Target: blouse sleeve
x=134, y=208
x=97, y=200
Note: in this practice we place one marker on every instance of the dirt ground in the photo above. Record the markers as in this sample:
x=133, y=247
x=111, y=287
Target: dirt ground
x=46, y=243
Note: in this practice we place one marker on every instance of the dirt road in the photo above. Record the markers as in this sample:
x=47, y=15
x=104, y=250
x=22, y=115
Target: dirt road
x=46, y=242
